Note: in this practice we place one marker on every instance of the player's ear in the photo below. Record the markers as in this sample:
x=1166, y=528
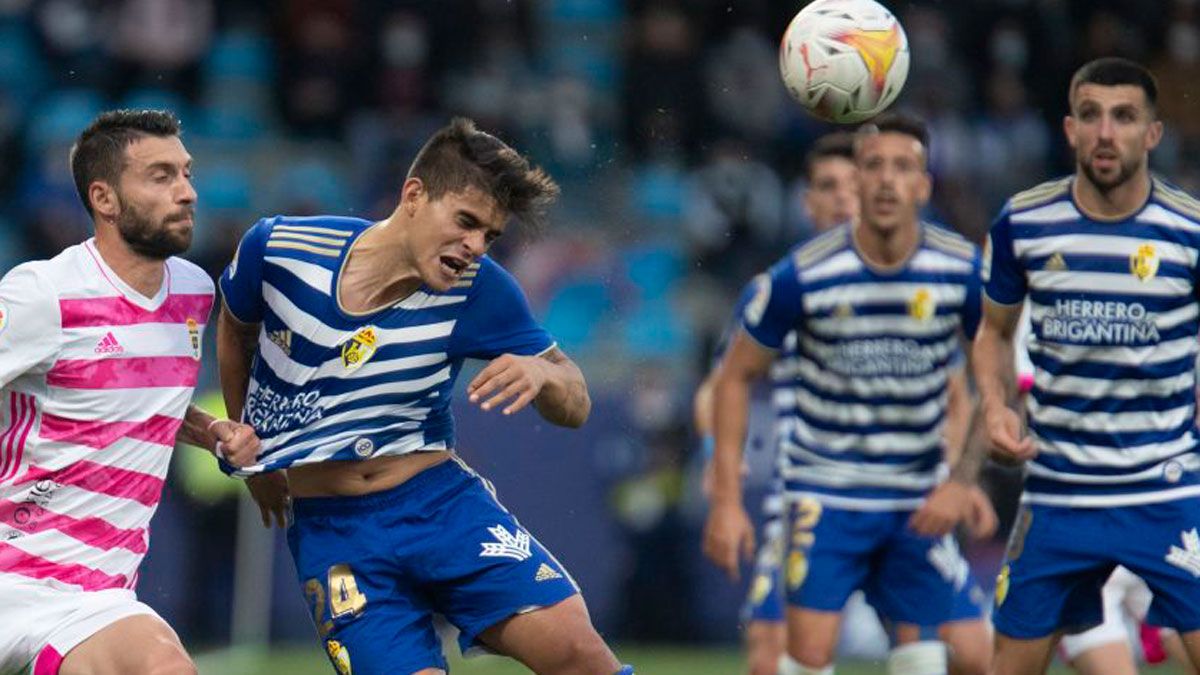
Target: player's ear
x=411, y=194
x=104, y=199
x=1154, y=134
x=1069, y=129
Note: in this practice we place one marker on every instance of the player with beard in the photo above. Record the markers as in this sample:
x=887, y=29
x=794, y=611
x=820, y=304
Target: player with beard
x=1107, y=258
x=99, y=354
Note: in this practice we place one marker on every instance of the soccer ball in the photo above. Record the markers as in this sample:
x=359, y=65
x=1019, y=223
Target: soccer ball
x=844, y=60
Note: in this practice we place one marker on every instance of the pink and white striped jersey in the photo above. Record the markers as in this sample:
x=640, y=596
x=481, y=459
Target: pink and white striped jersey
x=94, y=382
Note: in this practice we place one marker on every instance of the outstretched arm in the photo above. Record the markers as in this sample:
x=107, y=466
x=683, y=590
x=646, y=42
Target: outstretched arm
x=550, y=380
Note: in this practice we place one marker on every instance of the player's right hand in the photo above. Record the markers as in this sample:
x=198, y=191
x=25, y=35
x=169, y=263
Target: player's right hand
x=1008, y=445
x=237, y=442
x=270, y=492
x=728, y=537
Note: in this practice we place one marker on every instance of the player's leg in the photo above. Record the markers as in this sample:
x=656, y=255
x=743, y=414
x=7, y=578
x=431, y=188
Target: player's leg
x=1104, y=650
x=356, y=558
x=137, y=645
x=1178, y=651
x=766, y=632
x=503, y=590
x=969, y=646
x=556, y=640
x=828, y=558
x=1058, y=560
x=766, y=642
x=1022, y=657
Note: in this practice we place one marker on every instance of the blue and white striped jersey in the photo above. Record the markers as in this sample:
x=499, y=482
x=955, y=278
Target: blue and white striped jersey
x=1114, y=314
x=330, y=385
x=874, y=351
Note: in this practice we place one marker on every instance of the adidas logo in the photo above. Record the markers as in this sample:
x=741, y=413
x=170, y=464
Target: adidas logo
x=1055, y=263
x=546, y=573
x=109, y=345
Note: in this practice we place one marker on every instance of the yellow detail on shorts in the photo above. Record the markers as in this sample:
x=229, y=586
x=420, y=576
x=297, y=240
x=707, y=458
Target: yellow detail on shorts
x=339, y=655
x=797, y=569
x=1002, y=586
x=760, y=589
x=344, y=596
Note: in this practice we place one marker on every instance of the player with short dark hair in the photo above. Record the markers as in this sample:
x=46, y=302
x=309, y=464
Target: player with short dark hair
x=99, y=356
x=340, y=340
x=876, y=307
x=1107, y=258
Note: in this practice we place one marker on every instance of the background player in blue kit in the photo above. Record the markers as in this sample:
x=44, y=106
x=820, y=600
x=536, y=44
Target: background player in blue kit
x=878, y=307
x=830, y=199
x=340, y=341
x=1108, y=260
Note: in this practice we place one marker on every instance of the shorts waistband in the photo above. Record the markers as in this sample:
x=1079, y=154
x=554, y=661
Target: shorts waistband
x=444, y=476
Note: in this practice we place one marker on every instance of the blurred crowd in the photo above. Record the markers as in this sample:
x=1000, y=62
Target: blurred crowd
x=679, y=152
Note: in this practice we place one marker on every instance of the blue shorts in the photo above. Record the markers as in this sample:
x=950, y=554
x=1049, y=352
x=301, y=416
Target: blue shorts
x=906, y=577
x=1059, y=558
x=376, y=568
x=764, y=601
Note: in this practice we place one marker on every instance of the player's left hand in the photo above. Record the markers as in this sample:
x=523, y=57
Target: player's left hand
x=946, y=506
x=518, y=379
x=236, y=442
x=981, y=518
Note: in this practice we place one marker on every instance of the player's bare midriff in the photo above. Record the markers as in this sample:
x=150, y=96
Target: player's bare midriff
x=350, y=479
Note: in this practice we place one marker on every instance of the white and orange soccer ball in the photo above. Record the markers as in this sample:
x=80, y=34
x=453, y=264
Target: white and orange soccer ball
x=844, y=60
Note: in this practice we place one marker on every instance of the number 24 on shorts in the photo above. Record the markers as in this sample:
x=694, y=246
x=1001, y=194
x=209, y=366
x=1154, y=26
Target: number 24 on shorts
x=344, y=597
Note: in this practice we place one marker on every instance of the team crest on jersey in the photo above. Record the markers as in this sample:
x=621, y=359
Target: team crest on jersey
x=922, y=306
x=281, y=338
x=194, y=337
x=1055, y=263
x=360, y=348
x=1144, y=262
x=339, y=655
x=513, y=545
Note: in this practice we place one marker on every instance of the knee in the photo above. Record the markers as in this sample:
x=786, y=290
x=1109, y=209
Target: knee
x=970, y=662
x=166, y=659
x=587, y=652
x=812, y=654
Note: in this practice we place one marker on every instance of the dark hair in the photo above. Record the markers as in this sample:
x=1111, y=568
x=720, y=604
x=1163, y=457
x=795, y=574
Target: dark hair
x=99, y=152
x=1112, y=71
x=839, y=144
x=896, y=123
x=460, y=156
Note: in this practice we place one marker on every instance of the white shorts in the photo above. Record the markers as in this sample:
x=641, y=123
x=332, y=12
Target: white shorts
x=41, y=624
x=1126, y=601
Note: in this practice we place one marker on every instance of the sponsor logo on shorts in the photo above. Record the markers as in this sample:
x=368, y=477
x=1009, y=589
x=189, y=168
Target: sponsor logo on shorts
x=1188, y=557
x=339, y=655
x=546, y=573
x=946, y=559
x=513, y=545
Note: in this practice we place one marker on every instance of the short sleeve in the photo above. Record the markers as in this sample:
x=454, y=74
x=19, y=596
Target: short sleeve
x=241, y=284
x=1003, y=278
x=973, y=300
x=496, y=319
x=776, y=307
x=30, y=323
